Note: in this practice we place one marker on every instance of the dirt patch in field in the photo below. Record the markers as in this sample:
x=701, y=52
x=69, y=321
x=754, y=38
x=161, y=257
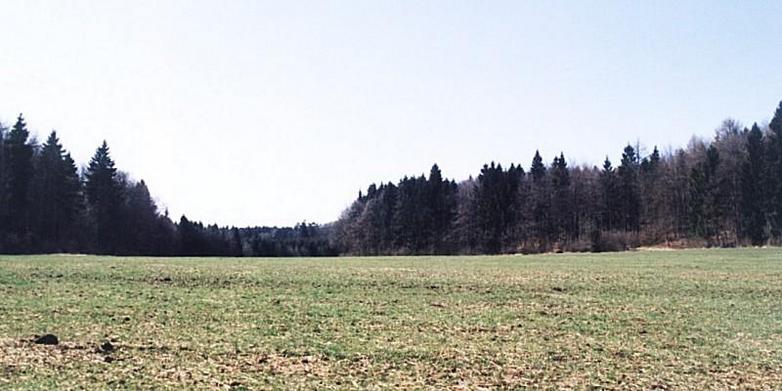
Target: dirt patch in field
x=22, y=354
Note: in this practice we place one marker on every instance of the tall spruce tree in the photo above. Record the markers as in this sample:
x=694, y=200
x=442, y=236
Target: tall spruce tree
x=55, y=197
x=3, y=188
x=651, y=197
x=141, y=222
x=441, y=200
x=629, y=191
x=707, y=200
x=715, y=207
x=411, y=215
x=388, y=201
x=104, y=194
x=19, y=162
x=773, y=174
x=561, y=207
x=608, y=190
x=192, y=238
x=752, y=201
x=540, y=202
x=492, y=208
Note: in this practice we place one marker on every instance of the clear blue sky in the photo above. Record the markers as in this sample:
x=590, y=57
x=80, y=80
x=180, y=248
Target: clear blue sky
x=252, y=112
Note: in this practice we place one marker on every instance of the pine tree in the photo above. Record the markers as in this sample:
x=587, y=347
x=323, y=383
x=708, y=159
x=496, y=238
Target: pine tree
x=651, y=196
x=715, y=205
x=190, y=238
x=608, y=210
x=442, y=204
x=141, y=221
x=388, y=201
x=752, y=202
x=411, y=216
x=19, y=162
x=56, y=196
x=370, y=225
x=491, y=208
x=518, y=196
x=773, y=174
x=539, y=202
x=104, y=194
x=707, y=200
x=538, y=169
x=629, y=192
x=235, y=243
x=561, y=207
x=3, y=187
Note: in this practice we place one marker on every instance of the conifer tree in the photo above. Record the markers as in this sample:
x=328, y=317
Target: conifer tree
x=538, y=170
x=651, y=197
x=715, y=205
x=442, y=204
x=3, y=187
x=707, y=200
x=561, y=208
x=370, y=224
x=540, y=200
x=104, y=194
x=608, y=210
x=629, y=196
x=141, y=221
x=55, y=197
x=19, y=163
x=388, y=201
x=411, y=215
x=752, y=202
x=491, y=208
x=773, y=173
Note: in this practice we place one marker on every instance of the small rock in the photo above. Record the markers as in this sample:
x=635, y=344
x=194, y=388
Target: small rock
x=48, y=339
x=558, y=289
x=108, y=359
x=107, y=347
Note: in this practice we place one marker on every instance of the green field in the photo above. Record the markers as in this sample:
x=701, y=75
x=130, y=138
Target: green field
x=696, y=319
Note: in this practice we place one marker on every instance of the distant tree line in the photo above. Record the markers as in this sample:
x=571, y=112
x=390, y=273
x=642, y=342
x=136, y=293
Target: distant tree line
x=48, y=205
x=726, y=192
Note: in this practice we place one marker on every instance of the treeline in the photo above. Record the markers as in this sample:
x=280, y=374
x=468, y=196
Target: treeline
x=726, y=192
x=48, y=205
x=723, y=192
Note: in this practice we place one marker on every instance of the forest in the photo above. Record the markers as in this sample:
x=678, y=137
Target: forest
x=724, y=192
x=48, y=205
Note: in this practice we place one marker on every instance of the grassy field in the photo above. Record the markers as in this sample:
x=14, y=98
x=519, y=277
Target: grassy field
x=697, y=319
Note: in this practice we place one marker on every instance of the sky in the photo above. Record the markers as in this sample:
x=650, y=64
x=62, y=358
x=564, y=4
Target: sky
x=273, y=112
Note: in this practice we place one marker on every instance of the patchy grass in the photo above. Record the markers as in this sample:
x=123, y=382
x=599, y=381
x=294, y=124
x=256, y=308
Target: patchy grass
x=695, y=319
